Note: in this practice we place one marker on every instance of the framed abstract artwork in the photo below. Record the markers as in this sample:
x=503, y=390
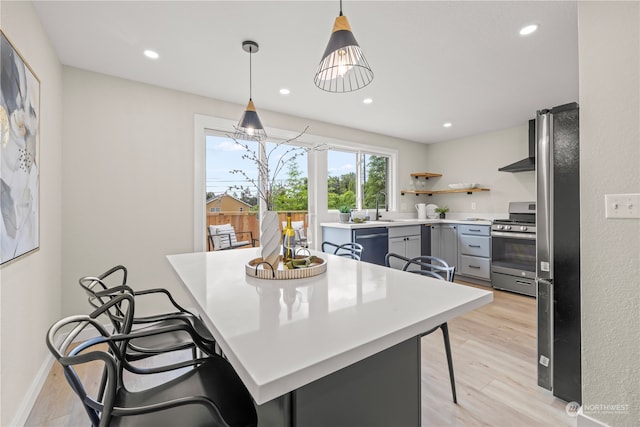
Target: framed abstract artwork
x=19, y=154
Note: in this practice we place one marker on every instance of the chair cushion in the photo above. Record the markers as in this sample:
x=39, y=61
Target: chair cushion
x=220, y=235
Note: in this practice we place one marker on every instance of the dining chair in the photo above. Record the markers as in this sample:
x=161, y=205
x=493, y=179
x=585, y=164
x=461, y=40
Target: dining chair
x=421, y=264
x=224, y=236
x=350, y=250
x=437, y=268
x=113, y=283
x=209, y=394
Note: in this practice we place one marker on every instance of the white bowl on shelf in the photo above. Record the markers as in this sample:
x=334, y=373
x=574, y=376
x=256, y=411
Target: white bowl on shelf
x=461, y=186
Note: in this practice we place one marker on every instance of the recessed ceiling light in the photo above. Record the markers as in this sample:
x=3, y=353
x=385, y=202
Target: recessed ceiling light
x=447, y=125
x=284, y=91
x=525, y=31
x=367, y=100
x=151, y=54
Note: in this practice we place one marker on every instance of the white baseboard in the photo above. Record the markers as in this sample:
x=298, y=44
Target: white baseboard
x=23, y=411
x=586, y=421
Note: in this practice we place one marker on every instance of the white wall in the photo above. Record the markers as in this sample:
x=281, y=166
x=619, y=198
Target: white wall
x=30, y=292
x=476, y=159
x=610, y=160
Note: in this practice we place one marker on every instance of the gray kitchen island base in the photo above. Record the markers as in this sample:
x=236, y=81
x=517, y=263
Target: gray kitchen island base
x=381, y=390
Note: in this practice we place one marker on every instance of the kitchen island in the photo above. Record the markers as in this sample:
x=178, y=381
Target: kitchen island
x=340, y=348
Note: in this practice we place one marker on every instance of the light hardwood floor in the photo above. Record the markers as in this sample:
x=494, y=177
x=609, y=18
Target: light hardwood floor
x=494, y=357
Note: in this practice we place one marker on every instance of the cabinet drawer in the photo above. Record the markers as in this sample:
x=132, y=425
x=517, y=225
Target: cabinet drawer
x=473, y=266
x=410, y=230
x=475, y=245
x=479, y=230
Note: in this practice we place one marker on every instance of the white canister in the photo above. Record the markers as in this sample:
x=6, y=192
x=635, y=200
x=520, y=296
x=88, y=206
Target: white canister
x=422, y=210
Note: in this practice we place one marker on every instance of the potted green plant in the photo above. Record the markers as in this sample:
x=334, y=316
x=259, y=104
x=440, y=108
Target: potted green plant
x=345, y=213
x=442, y=211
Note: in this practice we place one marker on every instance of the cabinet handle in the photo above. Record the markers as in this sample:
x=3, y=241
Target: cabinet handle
x=520, y=282
x=475, y=229
x=474, y=266
x=474, y=246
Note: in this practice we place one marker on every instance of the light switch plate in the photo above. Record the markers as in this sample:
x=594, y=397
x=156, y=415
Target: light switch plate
x=622, y=205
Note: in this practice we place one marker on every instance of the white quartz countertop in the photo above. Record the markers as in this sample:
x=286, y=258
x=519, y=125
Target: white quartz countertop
x=281, y=335
x=402, y=222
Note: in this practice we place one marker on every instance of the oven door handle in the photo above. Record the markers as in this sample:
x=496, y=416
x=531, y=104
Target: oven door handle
x=527, y=236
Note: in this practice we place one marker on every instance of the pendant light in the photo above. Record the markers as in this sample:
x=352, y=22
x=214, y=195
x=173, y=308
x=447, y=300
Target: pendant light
x=249, y=127
x=343, y=67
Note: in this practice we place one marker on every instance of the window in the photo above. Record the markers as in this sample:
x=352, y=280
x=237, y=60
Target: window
x=230, y=170
x=212, y=210
x=355, y=178
x=211, y=167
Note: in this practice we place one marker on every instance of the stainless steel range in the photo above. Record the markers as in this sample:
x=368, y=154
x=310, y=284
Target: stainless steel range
x=513, y=250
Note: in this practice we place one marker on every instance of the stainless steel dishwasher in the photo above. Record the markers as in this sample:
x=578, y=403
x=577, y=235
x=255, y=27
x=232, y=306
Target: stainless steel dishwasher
x=375, y=242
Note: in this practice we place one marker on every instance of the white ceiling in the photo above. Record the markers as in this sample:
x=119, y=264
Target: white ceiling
x=455, y=61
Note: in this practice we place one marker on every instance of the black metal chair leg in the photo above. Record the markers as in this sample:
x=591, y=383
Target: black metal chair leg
x=447, y=346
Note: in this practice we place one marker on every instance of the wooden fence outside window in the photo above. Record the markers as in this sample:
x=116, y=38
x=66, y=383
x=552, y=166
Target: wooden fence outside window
x=249, y=221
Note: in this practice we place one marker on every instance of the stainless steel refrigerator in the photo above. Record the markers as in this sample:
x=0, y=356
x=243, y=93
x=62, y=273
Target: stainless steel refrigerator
x=558, y=251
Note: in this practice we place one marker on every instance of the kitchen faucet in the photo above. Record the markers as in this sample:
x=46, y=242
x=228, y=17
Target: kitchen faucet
x=386, y=206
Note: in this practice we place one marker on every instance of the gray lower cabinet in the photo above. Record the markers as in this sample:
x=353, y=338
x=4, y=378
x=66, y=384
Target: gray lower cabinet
x=444, y=243
x=474, y=247
x=404, y=241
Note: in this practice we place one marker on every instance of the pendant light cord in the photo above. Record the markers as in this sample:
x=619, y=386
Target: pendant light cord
x=340, y=7
x=250, y=55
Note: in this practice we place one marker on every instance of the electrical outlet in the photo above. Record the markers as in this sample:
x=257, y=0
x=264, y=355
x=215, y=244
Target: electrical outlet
x=473, y=206
x=622, y=205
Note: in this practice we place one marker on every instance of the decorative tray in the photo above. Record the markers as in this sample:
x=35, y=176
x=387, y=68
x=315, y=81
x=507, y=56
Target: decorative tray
x=263, y=270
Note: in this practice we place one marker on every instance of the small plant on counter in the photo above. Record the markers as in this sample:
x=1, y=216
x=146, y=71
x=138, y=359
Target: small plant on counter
x=442, y=211
x=345, y=213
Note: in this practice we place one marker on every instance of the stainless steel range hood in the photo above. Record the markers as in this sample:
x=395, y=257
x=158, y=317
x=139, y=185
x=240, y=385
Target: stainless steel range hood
x=528, y=164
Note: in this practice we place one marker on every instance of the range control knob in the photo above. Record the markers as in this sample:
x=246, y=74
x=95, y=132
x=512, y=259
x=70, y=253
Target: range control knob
x=523, y=228
x=499, y=227
x=507, y=227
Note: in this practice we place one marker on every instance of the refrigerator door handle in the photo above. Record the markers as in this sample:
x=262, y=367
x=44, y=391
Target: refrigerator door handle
x=544, y=189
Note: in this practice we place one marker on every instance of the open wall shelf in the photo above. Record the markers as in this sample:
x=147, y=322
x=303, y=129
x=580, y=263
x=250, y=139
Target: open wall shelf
x=425, y=175
x=432, y=192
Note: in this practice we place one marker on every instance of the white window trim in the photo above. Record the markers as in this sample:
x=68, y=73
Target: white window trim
x=316, y=171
